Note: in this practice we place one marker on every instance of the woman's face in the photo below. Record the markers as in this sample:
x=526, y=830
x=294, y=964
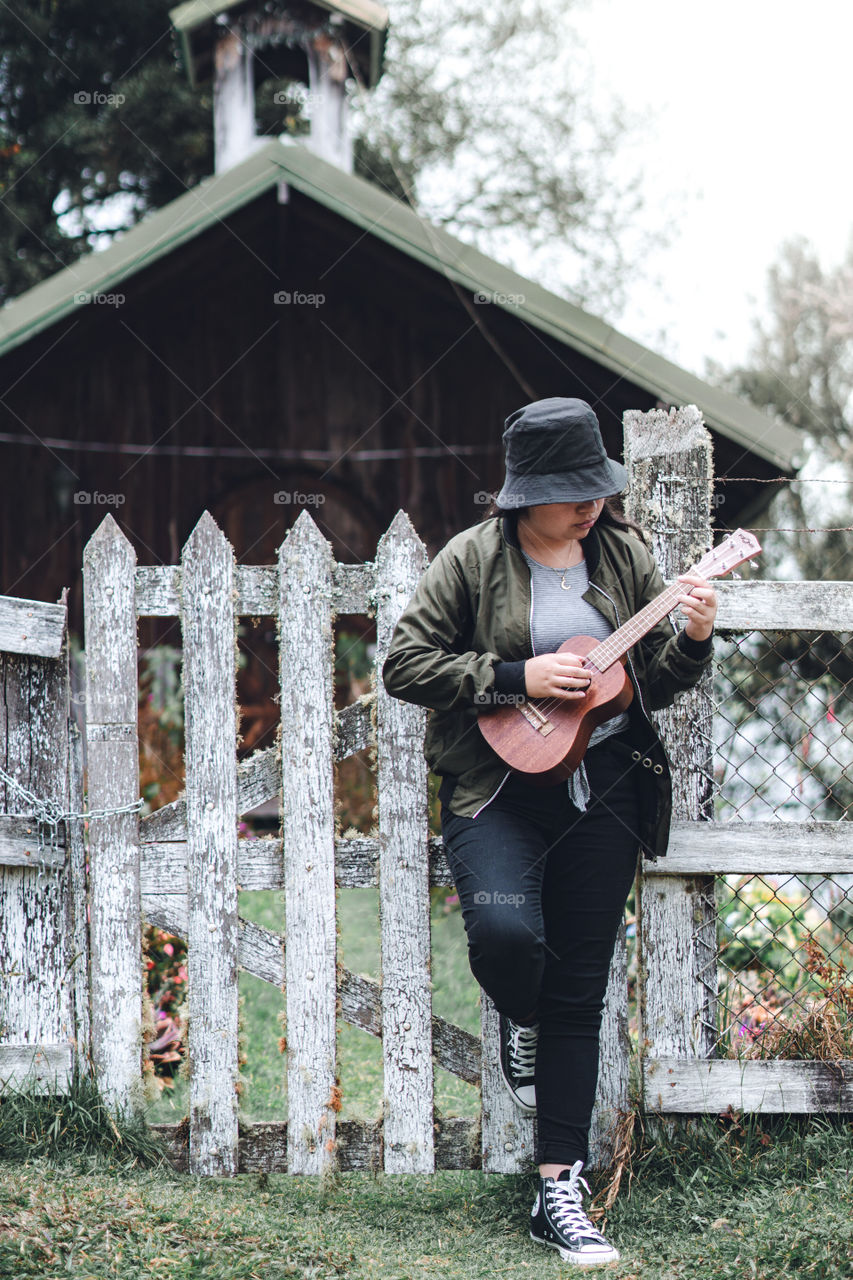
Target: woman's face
x=564, y=520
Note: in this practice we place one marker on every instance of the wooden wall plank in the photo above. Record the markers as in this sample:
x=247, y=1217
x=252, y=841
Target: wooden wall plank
x=403, y=878
x=36, y=1000
x=760, y=848
x=308, y=830
x=263, y=1147
x=19, y=843
x=158, y=589
x=259, y=862
x=784, y=606
x=77, y=915
x=31, y=627
x=209, y=645
x=744, y=605
x=692, y=1086
x=48, y=1064
x=112, y=752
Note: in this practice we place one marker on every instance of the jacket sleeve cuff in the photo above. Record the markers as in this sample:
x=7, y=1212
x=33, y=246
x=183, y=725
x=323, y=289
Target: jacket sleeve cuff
x=509, y=678
x=696, y=649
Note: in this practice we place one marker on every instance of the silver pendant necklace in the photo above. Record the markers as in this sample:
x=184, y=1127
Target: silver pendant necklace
x=567, y=586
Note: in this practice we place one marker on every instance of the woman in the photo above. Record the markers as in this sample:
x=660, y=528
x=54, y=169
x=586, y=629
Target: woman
x=543, y=873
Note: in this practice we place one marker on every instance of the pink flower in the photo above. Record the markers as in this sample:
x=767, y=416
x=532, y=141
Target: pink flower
x=168, y=948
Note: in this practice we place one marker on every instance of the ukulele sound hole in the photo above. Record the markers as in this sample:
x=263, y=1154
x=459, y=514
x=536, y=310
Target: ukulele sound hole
x=535, y=717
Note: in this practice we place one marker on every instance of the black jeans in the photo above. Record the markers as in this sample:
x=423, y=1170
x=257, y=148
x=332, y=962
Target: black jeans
x=543, y=889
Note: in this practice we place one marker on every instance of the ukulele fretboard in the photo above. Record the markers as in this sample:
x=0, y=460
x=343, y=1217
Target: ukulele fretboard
x=615, y=646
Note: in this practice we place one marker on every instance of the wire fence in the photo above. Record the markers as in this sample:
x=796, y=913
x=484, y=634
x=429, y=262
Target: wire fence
x=783, y=752
x=782, y=977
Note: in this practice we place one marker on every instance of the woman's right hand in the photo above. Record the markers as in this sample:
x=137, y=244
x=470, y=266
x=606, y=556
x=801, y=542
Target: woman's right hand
x=556, y=675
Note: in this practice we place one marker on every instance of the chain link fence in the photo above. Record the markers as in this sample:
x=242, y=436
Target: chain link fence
x=780, y=982
x=783, y=753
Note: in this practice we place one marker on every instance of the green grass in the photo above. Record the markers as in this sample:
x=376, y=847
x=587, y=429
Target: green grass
x=764, y=1201
x=40, y=1120
x=752, y=1197
x=455, y=997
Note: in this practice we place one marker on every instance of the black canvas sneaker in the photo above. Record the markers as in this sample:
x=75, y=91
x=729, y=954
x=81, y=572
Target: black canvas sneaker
x=518, y=1061
x=558, y=1220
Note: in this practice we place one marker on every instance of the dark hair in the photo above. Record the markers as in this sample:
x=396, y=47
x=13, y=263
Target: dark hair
x=612, y=513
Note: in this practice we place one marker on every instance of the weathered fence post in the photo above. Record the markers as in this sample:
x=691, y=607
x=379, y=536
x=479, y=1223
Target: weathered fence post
x=670, y=463
x=209, y=641
x=403, y=878
x=612, y=1100
x=40, y=973
x=508, y=1134
x=112, y=751
x=308, y=832
x=77, y=923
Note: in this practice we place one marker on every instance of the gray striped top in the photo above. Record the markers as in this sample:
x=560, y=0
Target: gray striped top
x=557, y=614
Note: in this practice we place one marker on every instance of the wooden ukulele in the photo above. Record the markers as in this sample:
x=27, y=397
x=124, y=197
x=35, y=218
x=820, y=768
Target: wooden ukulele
x=545, y=738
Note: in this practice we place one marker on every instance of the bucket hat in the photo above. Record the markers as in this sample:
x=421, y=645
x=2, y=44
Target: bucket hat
x=554, y=453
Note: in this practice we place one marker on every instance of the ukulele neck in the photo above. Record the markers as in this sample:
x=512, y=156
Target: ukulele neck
x=617, y=645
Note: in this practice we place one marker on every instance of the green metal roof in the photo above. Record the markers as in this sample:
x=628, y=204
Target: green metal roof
x=192, y=19
x=392, y=221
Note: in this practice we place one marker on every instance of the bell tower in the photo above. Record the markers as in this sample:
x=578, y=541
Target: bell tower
x=318, y=43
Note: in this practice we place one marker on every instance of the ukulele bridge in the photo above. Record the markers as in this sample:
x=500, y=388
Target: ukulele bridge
x=534, y=716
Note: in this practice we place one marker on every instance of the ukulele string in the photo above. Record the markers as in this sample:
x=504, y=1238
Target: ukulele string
x=702, y=567
x=550, y=704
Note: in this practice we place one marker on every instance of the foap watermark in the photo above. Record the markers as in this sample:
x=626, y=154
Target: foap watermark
x=83, y=298
x=297, y=95
x=495, y=699
x=295, y=497
x=484, y=898
x=288, y=298
x=94, y=498
x=85, y=98
x=482, y=499
x=484, y=296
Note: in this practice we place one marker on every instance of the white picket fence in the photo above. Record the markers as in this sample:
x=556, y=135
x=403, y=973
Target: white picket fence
x=181, y=867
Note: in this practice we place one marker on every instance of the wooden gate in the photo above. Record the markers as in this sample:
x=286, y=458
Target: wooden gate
x=44, y=1001
x=182, y=865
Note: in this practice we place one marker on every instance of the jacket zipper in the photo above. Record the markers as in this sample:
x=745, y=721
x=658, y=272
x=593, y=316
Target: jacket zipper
x=486, y=803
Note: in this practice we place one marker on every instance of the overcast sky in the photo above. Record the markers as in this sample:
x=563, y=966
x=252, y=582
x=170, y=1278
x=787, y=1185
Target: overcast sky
x=751, y=103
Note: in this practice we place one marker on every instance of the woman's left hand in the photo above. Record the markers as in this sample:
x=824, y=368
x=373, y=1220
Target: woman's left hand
x=700, y=607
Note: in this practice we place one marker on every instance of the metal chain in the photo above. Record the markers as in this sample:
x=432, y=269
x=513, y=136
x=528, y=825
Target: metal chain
x=48, y=815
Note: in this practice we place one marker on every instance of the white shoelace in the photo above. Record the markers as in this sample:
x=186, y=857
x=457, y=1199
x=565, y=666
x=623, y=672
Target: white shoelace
x=522, y=1049
x=565, y=1206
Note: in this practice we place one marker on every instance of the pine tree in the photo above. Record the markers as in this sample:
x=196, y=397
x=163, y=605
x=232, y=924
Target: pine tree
x=479, y=121
x=97, y=125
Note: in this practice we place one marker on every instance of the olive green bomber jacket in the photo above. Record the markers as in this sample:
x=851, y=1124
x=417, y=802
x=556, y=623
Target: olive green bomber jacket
x=470, y=616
